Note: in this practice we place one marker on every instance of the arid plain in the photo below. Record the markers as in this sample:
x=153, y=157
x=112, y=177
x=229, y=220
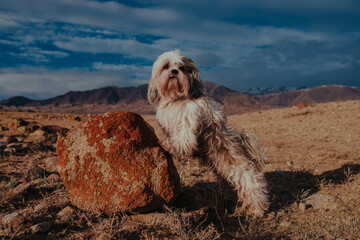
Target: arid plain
x=313, y=173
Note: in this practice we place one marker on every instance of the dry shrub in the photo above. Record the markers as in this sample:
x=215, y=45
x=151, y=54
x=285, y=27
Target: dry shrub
x=180, y=223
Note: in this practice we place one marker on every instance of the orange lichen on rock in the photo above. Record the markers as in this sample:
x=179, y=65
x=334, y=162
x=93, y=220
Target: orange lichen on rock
x=114, y=163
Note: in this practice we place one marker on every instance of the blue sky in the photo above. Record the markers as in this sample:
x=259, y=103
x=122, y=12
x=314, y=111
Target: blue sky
x=51, y=47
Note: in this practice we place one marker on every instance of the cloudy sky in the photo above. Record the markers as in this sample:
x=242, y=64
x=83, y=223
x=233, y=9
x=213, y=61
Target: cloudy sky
x=49, y=47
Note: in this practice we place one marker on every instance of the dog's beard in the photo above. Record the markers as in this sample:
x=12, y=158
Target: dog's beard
x=173, y=87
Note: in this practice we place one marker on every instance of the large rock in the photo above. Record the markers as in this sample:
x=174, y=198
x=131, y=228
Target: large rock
x=114, y=163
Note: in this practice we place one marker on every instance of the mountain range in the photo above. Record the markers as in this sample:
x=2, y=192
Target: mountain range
x=134, y=99
x=326, y=93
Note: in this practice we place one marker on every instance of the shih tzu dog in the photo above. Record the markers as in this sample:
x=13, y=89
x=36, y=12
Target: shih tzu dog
x=194, y=126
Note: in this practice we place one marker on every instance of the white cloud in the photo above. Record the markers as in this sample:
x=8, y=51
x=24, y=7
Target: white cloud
x=4, y=23
x=138, y=74
x=41, y=83
x=39, y=55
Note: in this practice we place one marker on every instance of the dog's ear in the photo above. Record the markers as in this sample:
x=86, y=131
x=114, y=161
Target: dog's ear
x=153, y=94
x=197, y=88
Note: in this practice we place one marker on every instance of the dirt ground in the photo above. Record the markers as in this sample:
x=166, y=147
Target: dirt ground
x=313, y=175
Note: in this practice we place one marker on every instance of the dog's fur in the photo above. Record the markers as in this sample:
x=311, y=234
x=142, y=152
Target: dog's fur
x=194, y=126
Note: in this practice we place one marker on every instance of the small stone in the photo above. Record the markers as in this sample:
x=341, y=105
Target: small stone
x=50, y=163
x=38, y=136
x=54, y=177
x=285, y=223
x=8, y=218
x=66, y=214
x=17, y=122
x=302, y=105
x=20, y=189
x=302, y=207
x=290, y=163
x=41, y=227
x=14, y=218
x=323, y=201
x=40, y=207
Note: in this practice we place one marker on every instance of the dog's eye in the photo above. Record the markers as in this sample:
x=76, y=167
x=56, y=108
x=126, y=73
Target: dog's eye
x=182, y=68
x=166, y=66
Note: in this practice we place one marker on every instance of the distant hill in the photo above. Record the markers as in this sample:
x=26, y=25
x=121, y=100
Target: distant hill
x=326, y=93
x=112, y=95
x=16, y=101
x=100, y=100
x=233, y=102
x=134, y=99
x=269, y=90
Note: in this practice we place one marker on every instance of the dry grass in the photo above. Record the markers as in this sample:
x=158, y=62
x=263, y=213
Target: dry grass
x=312, y=150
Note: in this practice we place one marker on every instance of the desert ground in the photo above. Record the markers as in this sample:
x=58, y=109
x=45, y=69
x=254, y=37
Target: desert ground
x=313, y=155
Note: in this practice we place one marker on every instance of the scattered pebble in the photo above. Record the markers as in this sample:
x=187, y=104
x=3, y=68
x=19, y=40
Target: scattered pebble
x=20, y=189
x=290, y=163
x=40, y=207
x=14, y=219
x=323, y=201
x=54, y=177
x=41, y=227
x=50, y=163
x=66, y=214
x=285, y=223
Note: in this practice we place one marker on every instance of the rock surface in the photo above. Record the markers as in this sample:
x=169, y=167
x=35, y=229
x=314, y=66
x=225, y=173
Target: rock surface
x=14, y=219
x=114, y=163
x=65, y=214
x=50, y=163
x=323, y=201
x=41, y=227
x=21, y=189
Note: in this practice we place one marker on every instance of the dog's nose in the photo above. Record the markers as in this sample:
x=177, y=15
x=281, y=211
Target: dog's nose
x=174, y=71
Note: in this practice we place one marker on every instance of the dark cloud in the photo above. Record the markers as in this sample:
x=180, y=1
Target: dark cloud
x=207, y=59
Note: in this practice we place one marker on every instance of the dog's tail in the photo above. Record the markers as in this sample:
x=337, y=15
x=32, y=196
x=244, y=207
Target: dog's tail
x=251, y=149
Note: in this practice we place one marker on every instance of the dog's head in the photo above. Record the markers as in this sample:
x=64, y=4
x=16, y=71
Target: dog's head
x=174, y=77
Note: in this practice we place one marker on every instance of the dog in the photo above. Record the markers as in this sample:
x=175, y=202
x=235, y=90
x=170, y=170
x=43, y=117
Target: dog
x=195, y=127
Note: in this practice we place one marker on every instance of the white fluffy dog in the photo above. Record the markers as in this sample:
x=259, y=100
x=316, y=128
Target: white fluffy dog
x=194, y=126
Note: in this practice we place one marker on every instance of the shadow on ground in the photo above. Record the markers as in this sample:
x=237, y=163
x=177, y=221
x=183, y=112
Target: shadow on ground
x=287, y=187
